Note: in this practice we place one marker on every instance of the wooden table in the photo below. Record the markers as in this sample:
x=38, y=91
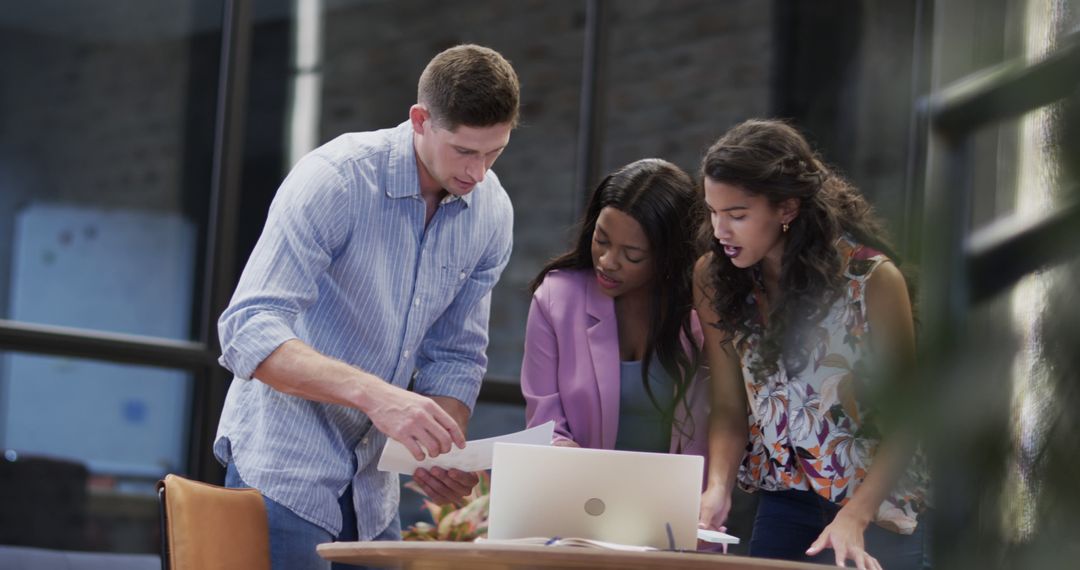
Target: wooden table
x=472, y=556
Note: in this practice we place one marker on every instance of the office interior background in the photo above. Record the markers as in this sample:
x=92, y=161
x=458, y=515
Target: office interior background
x=142, y=142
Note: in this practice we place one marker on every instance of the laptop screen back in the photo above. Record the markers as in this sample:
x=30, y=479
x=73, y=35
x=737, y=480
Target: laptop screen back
x=615, y=496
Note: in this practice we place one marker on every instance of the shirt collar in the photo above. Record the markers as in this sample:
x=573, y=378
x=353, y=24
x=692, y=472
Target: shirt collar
x=402, y=175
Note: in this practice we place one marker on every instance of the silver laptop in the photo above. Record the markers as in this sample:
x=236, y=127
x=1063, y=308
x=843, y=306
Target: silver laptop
x=614, y=496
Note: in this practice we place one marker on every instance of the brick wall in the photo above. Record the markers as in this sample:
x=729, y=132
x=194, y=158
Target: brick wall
x=682, y=72
x=94, y=123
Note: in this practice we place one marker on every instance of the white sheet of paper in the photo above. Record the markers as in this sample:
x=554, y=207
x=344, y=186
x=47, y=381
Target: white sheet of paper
x=476, y=456
x=716, y=537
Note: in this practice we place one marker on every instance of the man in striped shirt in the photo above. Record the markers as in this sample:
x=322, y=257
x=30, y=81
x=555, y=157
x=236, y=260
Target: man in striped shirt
x=374, y=271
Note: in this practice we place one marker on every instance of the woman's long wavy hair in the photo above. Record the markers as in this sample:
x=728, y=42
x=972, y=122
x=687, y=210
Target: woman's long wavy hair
x=772, y=159
x=663, y=200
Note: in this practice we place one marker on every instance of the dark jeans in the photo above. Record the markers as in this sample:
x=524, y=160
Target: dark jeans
x=293, y=539
x=788, y=522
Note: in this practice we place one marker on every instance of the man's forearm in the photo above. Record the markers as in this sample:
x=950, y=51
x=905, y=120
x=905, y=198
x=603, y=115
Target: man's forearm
x=299, y=370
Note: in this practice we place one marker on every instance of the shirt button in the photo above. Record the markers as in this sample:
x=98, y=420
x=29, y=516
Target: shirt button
x=416, y=302
x=405, y=354
x=461, y=275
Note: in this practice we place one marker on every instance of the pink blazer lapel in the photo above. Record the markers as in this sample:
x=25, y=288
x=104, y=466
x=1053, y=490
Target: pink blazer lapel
x=603, y=337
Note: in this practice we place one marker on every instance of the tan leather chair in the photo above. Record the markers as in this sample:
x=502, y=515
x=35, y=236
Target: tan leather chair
x=205, y=527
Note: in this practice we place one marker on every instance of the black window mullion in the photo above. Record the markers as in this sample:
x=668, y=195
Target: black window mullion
x=113, y=347
x=208, y=394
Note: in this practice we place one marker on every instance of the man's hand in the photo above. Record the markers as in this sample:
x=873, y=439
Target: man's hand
x=417, y=422
x=446, y=486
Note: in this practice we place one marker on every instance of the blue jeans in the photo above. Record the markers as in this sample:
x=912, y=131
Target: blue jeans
x=788, y=522
x=293, y=539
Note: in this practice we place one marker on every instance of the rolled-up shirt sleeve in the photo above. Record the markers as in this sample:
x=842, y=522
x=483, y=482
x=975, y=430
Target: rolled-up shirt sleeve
x=306, y=225
x=452, y=358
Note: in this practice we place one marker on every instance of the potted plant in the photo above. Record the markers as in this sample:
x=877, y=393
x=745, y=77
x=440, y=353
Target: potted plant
x=458, y=523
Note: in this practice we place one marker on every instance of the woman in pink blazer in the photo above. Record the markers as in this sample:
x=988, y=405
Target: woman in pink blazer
x=612, y=346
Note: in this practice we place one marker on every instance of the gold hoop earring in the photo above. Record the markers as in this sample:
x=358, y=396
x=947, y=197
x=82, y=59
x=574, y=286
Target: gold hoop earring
x=785, y=227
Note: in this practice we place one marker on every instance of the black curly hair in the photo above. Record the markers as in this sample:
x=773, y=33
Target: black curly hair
x=772, y=159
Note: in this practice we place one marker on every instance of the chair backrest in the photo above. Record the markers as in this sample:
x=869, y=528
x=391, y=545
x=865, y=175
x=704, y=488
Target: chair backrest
x=206, y=527
x=43, y=503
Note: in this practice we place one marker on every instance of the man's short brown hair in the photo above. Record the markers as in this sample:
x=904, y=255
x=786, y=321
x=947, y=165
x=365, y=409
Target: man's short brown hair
x=469, y=85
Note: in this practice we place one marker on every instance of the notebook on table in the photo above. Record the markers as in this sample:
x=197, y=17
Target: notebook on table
x=623, y=497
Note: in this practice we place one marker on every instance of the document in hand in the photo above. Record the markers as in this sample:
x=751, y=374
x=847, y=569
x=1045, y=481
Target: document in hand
x=475, y=456
x=716, y=537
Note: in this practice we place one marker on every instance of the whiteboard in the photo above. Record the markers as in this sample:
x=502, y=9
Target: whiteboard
x=110, y=270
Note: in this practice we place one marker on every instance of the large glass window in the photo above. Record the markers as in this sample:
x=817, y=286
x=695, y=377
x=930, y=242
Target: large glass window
x=107, y=135
x=105, y=160
x=122, y=421
x=82, y=444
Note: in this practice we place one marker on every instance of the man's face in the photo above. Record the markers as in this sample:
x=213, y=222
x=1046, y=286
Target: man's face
x=455, y=160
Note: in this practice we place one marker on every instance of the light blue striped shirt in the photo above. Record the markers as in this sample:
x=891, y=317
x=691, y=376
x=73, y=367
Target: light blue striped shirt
x=345, y=265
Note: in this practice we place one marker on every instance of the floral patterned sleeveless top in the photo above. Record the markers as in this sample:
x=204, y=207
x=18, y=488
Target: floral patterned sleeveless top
x=812, y=431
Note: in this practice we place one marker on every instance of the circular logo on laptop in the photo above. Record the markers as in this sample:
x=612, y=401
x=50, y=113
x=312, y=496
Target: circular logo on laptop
x=594, y=507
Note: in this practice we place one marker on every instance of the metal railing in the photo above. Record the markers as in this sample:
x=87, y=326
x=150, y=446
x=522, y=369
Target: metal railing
x=963, y=270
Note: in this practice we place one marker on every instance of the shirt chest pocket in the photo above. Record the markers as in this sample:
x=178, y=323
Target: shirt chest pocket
x=452, y=277
x=447, y=281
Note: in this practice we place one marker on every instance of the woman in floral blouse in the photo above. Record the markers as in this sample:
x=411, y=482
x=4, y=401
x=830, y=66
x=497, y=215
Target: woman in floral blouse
x=808, y=310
